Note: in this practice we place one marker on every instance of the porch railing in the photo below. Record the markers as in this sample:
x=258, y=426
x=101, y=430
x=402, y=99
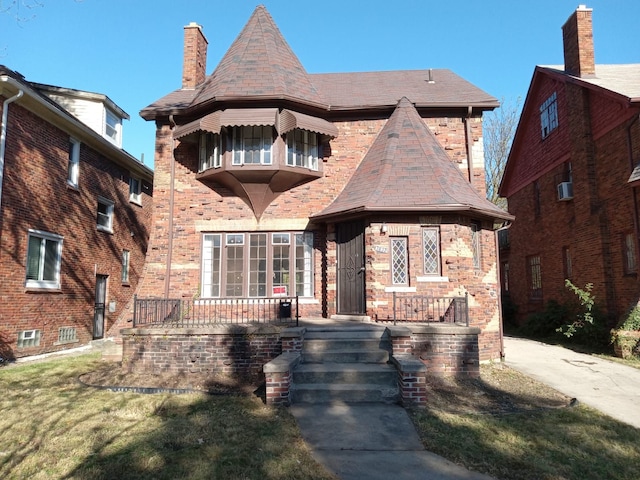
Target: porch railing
x=409, y=307
x=171, y=312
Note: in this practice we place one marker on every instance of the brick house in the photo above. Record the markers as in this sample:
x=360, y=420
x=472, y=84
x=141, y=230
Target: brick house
x=571, y=181
x=341, y=189
x=75, y=213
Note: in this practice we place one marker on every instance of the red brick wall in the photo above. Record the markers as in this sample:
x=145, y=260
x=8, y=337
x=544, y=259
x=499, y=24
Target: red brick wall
x=199, y=208
x=593, y=224
x=36, y=196
x=220, y=350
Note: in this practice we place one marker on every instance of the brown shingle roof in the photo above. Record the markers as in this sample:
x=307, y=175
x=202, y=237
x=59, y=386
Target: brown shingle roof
x=260, y=65
x=406, y=170
x=372, y=89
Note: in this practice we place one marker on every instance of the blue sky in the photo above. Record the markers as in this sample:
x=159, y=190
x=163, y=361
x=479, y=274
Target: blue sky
x=131, y=50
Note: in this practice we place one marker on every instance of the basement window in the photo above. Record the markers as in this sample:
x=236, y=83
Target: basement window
x=29, y=338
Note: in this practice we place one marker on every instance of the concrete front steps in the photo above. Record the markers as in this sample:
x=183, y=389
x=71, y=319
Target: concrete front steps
x=347, y=364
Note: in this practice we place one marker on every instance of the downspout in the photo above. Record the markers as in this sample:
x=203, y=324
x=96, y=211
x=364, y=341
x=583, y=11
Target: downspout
x=634, y=189
x=467, y=131
x=499, y=292
x=3, y=136
x=172, y=180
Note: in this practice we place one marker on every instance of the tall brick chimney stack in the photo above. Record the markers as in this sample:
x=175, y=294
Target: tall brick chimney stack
x=577, y=36
x=194, y=64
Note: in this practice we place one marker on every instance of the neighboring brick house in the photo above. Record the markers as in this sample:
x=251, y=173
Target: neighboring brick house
x=75, y=214
x=338, y=188
x=571, y=181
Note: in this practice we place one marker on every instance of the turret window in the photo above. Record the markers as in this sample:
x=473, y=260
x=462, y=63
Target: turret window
x=302, y=149
x=252, y=145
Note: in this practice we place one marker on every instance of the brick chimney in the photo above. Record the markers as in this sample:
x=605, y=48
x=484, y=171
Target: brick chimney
x=195, y=57
x=577, y=36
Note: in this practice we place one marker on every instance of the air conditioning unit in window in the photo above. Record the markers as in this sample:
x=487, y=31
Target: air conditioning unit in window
x=565, y=191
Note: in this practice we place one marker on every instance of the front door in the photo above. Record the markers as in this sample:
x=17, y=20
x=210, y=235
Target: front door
x=351, y=268
x=98, y=311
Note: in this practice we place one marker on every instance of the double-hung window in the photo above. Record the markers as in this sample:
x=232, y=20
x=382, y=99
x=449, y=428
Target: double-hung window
x=112, y=127
x=73, y=173
x=302, y=149
x=135, y=190
x=44, y=257
x=257, y=264
x=104, y=217
x=252, y=145
x=210, y=155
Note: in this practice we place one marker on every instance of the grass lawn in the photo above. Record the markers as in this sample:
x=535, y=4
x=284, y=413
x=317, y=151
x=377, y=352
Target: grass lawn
x=53, y=427
x=526, y=441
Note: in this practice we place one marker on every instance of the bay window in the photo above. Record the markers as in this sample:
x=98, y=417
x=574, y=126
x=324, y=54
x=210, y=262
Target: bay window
x=252, y=145
x=302, y=149
x=257, y=264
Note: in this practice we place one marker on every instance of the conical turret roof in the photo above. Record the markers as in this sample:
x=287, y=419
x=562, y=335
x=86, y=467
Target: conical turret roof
x=406, y=170
x=259, y=64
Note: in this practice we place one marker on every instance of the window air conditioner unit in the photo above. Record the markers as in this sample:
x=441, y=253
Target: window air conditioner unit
x=565, y=191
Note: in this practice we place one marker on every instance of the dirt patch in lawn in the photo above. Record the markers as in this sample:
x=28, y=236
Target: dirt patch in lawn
x=499, y=390
x=112, y=375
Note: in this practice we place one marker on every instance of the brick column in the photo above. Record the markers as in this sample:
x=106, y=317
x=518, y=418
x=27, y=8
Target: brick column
x=412, y=380
x=292, y=339
x=278, y=375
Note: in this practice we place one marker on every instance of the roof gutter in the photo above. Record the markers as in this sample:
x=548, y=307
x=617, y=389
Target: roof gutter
x=453, y=208
x=35, y=103
x=3, y=133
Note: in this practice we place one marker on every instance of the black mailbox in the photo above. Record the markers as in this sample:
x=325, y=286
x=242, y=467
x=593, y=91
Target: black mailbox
x=285, y=309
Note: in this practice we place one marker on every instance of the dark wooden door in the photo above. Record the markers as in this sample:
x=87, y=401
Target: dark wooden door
x=351, y=268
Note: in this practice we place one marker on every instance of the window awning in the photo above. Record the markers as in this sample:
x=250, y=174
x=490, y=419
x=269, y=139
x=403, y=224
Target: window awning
x=284, y=122
x=233, y=117
x=289, y=120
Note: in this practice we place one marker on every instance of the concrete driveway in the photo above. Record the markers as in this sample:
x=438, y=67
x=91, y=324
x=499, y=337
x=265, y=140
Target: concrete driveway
x=607, y=386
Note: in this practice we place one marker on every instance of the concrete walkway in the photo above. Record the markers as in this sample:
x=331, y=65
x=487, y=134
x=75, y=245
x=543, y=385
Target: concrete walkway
x=372, y=442
x=607, y=386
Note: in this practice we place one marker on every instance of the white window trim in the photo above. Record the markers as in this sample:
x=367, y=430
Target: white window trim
x=110, y=209
x=210, y=153
x=310, y=159
x=135, y=197
x=48, y=284
x=240, y=131
x=73, y=175
x=116, y=127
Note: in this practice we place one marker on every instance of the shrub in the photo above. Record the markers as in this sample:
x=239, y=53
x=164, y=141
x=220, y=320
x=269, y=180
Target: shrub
x=545, y=324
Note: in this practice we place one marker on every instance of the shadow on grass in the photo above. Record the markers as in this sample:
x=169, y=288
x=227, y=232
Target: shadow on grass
x=54, y=427
x=526, y=436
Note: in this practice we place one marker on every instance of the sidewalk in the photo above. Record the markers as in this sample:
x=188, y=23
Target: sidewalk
x=610, y=387
x=372, y=442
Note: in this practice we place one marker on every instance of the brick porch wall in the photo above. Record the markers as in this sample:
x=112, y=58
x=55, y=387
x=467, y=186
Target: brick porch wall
x=234, y=350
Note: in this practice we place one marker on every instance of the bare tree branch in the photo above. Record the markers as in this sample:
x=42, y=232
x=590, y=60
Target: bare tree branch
x=499, y=129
